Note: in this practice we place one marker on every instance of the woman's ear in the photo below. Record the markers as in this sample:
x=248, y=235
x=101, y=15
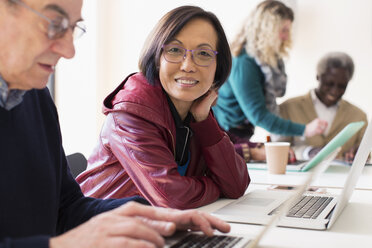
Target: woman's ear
x=215, y=86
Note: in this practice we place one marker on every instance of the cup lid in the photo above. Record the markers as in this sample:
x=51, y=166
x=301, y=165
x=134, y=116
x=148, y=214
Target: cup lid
x=277, y=144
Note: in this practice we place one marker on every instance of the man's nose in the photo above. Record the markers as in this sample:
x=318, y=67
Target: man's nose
x=335, y=90
x=64, y=46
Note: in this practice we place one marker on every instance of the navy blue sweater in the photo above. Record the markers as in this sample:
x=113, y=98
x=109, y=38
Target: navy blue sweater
x=39, y=197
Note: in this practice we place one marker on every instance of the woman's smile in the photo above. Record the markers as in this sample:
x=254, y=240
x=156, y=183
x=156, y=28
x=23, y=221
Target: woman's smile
x=186, y=82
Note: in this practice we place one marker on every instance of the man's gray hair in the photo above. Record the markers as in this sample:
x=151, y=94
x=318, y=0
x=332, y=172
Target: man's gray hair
x=335, y=60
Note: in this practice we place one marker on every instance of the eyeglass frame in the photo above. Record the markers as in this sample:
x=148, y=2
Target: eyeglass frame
x=192, y=54
x=52, y=31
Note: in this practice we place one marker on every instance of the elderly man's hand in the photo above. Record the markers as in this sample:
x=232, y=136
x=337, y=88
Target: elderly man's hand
x=136, y=225
x=349, y=155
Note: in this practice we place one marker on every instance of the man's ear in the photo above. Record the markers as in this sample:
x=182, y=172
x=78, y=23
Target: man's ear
x=317, y=77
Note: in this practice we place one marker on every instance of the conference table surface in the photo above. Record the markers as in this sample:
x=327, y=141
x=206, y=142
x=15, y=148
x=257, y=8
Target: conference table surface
x=353, y=227
x=334, y=177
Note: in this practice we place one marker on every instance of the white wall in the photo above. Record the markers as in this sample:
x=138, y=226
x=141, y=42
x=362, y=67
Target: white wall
x=118, y=28
x=76, y=89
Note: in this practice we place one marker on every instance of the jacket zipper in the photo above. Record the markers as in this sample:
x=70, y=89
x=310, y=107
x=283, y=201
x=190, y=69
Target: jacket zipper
x=173, y=143
x=184, y=145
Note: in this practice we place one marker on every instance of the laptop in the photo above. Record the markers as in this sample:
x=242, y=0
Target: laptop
x=257, y=206
x=196, y=239
x=339, y=140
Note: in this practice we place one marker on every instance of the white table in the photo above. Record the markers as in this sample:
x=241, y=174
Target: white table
x=353, y=228
x=333, y=177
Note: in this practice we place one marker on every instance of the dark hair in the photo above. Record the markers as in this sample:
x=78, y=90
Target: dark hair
x=168, y=27
x=335, y=60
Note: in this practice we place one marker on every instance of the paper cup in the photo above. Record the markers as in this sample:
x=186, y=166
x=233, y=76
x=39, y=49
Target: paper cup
x=277, y=157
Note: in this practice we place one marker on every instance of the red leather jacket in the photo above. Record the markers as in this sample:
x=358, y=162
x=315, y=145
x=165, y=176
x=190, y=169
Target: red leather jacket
x=135, y=153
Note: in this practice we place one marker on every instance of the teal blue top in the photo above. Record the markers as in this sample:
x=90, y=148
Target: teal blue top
x=242, y=98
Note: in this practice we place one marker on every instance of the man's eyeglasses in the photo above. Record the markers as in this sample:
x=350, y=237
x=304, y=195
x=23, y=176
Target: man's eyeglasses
x=58, y=27
x=175, y=54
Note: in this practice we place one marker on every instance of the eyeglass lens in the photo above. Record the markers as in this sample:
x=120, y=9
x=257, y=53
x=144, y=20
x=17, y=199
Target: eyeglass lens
x=59, y=26
x=201, y=57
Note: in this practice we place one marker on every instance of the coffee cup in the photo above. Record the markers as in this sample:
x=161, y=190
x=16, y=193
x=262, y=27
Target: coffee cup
x=277, y=156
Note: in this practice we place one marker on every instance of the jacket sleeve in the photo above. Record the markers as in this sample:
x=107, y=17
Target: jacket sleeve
x=361, y=132
x=227, y=168
x=143, y=150
x=87, y=207
x=248, y=90
x=76, y=209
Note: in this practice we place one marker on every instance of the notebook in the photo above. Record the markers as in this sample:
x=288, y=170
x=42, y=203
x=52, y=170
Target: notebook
x=339, y=140
x=194, y=239
x=256, y=206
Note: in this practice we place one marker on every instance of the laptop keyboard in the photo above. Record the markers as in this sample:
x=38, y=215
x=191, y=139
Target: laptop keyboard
x=309, y=207
x=203, y=241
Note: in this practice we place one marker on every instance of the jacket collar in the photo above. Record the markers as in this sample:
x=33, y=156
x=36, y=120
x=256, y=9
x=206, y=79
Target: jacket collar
x=135, y=95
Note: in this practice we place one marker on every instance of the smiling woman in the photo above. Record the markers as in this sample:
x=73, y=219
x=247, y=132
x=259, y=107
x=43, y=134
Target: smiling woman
x=160, y=139
x=185, y=81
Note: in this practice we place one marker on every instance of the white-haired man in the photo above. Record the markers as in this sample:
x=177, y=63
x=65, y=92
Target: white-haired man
x=42, y=205
x=334, y=71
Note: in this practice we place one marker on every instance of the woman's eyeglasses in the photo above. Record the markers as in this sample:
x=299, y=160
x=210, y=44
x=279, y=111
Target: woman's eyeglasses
x=175, y=54
x=57, y=27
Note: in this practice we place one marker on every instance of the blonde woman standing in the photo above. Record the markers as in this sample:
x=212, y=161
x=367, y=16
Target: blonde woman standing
x=258, y=77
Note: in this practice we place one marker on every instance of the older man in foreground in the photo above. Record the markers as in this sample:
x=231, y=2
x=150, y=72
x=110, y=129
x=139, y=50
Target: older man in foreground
x=40, y=199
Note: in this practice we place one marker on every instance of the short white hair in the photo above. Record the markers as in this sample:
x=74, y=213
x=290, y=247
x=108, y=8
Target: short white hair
x=335, y=60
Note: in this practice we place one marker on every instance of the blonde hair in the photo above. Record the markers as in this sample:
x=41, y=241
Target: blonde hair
x=256, y=35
